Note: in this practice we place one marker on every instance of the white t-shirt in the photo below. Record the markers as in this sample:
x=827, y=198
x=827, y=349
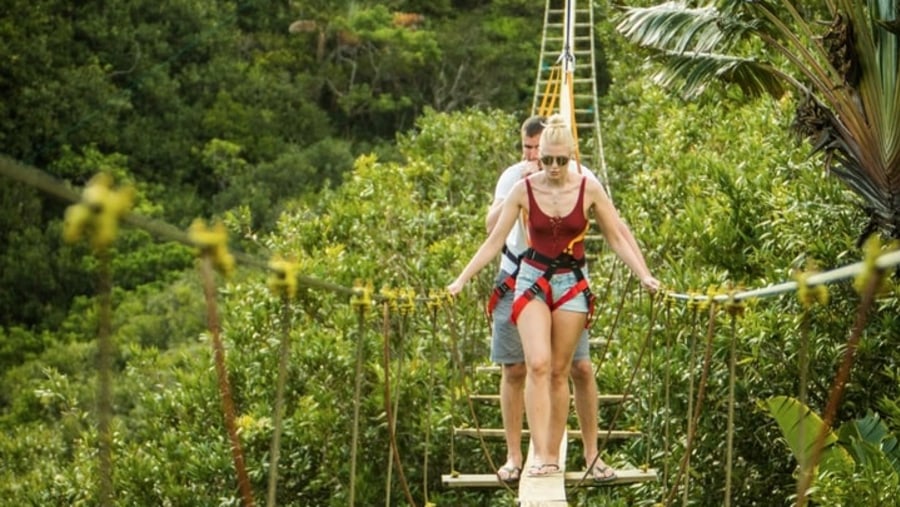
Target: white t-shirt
x=517, y=239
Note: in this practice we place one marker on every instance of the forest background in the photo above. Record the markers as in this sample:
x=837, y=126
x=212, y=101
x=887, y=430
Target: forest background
x=363, y=139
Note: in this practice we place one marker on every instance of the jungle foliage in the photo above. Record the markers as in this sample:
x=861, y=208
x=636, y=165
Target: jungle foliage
x=715, y=189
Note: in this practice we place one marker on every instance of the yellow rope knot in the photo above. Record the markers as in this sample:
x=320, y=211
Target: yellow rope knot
x=711, y=292
x=873, y=249
x=809, y=296
x=389, y=295
x=437, y=299
x=99, y=212
x=362, y=295
x=407, y=300
x=734, y=307
x=693, y=302
x=283, y=278
x=212, y=241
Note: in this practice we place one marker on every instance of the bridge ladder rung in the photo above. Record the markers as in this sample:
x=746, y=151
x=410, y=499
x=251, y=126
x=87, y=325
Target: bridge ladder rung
x=623, y=477
x=603, y=399
x=492, y=433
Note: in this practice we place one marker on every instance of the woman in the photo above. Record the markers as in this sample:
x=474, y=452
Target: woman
x=552, y=299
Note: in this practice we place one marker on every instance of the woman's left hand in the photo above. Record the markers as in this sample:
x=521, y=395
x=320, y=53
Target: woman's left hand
x=651, y=284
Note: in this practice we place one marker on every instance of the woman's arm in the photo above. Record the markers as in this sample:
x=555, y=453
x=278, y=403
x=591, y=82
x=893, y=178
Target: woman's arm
x=494, y=242
x=618, y=236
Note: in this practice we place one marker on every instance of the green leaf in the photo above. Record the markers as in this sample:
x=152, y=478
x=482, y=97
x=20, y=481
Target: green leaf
x=800, y=426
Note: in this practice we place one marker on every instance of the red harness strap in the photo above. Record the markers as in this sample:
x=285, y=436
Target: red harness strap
x=505, y=286
x=542, y=285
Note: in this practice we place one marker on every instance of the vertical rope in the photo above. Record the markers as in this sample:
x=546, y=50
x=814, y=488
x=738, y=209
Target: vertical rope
x=651, y=420
x=105, y=351
x=283, y=353
x=667, y=395
x=357, y=389
x=695, y=417
x=729, y=445
x=692, y=368
x=803, y=366
x=627, y=393
x=397, y=386
x=430, y=403
x=212, y=317
x=386, y=331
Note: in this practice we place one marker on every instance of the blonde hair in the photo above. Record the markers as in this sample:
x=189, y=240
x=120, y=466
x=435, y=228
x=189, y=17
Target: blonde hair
x=557, y=132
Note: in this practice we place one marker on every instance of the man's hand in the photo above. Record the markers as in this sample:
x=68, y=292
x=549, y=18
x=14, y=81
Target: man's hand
x=531, y=167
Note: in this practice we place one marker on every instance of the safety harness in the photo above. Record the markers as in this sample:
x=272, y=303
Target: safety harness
x=565, y=260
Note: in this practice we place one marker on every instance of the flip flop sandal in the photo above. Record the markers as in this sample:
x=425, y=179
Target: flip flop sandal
x=599, y=473
x=543, y=470
x=512, y=474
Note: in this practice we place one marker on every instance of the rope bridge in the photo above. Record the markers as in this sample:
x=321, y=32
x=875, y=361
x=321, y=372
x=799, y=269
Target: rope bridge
x=96, y=214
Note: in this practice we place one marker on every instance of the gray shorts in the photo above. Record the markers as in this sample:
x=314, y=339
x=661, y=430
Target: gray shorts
x=506, y=346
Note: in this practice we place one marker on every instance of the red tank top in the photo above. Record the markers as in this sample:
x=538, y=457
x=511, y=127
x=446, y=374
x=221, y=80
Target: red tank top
x=551, y=235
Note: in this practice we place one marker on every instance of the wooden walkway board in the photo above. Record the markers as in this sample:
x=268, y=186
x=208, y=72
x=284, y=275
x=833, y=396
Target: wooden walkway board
x=603, y=399
x=602, y=434
x=546, y=491
x=623, y=478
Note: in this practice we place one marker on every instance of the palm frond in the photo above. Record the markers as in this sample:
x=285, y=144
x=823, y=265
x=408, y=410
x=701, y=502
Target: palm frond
x=692, y=72
x=673, y=27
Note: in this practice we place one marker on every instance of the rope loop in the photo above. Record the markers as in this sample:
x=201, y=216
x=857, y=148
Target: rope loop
x=872, y=250
x=438, y=299
x=389, y=295
x=362, y=295
x=283, y=277
x=734, y=307
x=98, y=213
x=809, y=296
x=213, y=242
x=406, y=300
x=711, y=292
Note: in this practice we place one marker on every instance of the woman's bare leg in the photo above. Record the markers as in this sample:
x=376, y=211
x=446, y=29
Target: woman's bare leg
x=534, y=329
x=566, y=330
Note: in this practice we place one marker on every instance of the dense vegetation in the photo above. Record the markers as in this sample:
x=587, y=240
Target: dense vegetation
x=371, y=157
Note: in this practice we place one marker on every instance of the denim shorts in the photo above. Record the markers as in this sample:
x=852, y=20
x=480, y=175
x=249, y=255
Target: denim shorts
x=560, y=283
x=506, y=345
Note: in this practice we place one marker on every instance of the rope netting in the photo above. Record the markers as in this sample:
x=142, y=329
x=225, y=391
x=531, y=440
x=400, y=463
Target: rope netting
x=98, y=209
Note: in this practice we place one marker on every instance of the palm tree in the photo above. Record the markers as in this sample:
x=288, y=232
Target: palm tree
x=842, y=73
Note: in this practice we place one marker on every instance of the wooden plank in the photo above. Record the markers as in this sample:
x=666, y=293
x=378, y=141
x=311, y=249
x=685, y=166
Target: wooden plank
x=603, y=399
x=623, y=478
x=548, y=490
x=574, y=434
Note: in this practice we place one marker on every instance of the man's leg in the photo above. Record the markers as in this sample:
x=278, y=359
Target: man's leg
x=587, y=408
x=512, y=408
x=586, y=405
x=506, y=350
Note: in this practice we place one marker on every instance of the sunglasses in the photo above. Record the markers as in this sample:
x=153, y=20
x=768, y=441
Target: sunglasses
x=560, y=160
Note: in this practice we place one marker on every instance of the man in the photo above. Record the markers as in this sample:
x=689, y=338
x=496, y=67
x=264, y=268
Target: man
x=506, y=346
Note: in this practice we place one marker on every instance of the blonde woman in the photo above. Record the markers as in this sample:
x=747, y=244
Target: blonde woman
x=553, y=301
